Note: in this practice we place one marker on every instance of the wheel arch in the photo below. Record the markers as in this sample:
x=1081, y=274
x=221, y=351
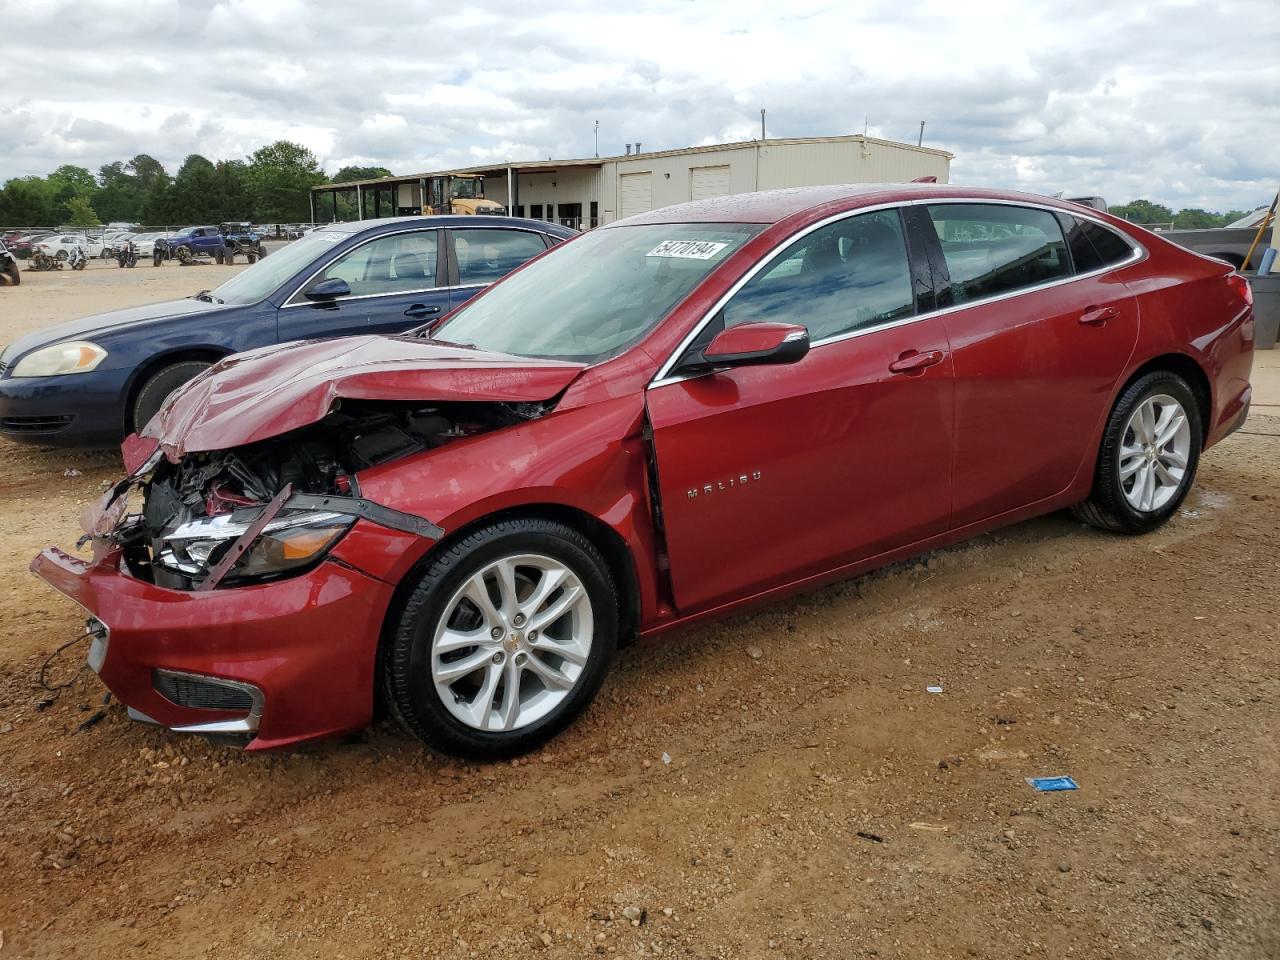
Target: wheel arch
x=608, y=541
x=1191, y=371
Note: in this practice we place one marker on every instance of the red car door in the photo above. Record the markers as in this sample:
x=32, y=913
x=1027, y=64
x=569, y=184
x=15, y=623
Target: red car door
x=1036, y=356
x=769, y=474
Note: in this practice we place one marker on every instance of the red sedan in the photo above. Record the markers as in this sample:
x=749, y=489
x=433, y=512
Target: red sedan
x=661, y=421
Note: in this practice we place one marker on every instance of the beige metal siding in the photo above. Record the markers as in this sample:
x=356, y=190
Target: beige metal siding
x=637, y=193
x=849, y=161
x=709, y=182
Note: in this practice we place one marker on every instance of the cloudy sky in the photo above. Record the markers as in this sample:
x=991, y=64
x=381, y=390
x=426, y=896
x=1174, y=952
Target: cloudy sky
x=1175, y=101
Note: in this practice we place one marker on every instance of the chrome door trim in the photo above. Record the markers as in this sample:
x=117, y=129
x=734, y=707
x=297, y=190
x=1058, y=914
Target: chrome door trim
x=664, y=375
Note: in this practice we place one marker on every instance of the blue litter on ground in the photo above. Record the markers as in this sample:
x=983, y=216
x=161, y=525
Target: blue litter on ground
x=1050, y=784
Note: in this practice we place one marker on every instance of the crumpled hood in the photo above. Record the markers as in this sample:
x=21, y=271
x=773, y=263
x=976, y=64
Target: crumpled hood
x=88, y=327
x=264, y=393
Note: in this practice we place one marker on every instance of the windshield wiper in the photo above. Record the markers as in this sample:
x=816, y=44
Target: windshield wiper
x=207, y=297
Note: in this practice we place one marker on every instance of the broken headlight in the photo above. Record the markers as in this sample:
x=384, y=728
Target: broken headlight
x=293, y=539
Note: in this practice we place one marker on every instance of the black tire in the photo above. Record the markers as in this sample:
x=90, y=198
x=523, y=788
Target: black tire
x=251, y=257
x=406, y=668
x=1108, y=507
x=158, y=387
x=14, y=277
x=218, y=255
x=61, y=254
x=157, y=257
x=262, y=252
x=229, y=257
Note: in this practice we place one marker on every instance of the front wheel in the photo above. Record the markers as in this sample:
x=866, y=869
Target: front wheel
x=506, y=638
x=1150, y=451
x=11, y=275
x=158, y=387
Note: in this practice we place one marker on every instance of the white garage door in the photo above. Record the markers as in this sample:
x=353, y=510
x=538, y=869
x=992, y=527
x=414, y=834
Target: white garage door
x=637, y=193
x=708, y=182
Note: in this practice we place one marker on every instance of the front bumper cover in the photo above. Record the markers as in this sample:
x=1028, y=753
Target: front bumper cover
x=306, y=645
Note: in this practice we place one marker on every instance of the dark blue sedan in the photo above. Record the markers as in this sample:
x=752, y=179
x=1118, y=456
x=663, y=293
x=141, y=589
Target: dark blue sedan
x=92, y=381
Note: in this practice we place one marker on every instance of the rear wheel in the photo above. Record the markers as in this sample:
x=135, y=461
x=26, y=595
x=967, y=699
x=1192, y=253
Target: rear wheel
x=61, y=255
x=158, y=387
x=1150, y=451
x=505, y=639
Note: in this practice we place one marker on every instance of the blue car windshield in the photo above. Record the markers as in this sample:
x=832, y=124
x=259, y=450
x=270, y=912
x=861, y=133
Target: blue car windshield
x=264, y=278
x=591, y=298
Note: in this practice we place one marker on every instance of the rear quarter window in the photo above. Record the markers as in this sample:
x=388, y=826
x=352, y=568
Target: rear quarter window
x=1092, y=245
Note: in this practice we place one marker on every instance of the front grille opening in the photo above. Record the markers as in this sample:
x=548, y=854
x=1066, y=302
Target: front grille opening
x=35, y=424
x=201, y=694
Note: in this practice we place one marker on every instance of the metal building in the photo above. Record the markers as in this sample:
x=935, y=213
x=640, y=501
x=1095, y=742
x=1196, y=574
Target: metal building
x=587, y=193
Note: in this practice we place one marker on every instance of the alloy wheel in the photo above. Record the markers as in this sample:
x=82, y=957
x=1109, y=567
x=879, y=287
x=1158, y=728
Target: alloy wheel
x=512, y=643
x=1154, y=453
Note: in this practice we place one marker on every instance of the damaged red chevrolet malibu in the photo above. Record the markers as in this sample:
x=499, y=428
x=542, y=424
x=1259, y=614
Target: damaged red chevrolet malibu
x=661, y=421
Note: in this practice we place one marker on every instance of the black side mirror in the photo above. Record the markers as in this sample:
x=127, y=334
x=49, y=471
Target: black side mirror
x=330, y=289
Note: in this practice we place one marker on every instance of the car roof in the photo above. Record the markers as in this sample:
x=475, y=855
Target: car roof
x=772, y=206
x=450, y=220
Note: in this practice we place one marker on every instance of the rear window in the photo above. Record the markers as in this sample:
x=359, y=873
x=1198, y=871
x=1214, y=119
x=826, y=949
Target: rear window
x=1093, y=246
x=993, y=249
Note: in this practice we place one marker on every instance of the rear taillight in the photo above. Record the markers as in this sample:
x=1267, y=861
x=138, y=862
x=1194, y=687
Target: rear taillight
x=1240, y=286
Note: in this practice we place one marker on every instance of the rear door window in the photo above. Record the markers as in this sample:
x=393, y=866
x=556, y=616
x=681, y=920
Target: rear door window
x=992, y=249
x=489, y=254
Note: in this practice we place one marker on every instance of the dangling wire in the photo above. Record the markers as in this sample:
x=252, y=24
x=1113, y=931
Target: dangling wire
x=57, y=688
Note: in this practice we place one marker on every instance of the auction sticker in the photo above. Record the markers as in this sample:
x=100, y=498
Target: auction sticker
x=687, y=249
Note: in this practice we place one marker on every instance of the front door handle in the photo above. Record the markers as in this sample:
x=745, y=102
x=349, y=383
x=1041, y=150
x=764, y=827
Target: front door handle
x=1097, y=316
x=420, y=310
x=912, y=361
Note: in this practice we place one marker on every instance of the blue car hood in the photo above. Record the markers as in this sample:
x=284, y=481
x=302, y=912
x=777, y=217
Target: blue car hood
x=87, y=327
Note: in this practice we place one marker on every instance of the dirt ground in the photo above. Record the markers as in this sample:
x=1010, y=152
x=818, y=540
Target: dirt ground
x=817, y=802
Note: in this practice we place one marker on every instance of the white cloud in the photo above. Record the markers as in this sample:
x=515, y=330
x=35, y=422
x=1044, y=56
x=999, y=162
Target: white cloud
x=1172, y=100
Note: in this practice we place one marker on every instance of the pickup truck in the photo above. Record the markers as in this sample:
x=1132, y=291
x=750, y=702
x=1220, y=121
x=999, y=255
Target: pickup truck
x=188, y=243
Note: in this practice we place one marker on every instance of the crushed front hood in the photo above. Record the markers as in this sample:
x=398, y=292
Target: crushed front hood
x=268, y=392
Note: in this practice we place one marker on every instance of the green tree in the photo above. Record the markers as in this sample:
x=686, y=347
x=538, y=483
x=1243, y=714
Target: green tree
x=1143, y=211
x=1193, y=218
x=281, y=176
x=80, y=212
x=117, y=200
x=193, y=196
x=1231, y=216
x=27, y=202
x=347, y=174
x=67, y=183
x=233, y=197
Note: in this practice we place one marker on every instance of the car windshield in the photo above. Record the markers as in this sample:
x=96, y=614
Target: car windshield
x=263, y=278
x=592, y=297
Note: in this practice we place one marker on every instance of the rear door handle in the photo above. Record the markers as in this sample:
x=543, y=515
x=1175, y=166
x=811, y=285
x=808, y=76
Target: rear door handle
x=419, y=310
x=1097, y=316
x=912, y=361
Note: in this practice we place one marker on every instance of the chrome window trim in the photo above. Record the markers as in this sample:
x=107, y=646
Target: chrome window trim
x=290, y=302
x=664, y=375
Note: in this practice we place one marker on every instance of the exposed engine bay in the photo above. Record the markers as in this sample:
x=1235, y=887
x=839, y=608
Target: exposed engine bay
x=275, y=507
